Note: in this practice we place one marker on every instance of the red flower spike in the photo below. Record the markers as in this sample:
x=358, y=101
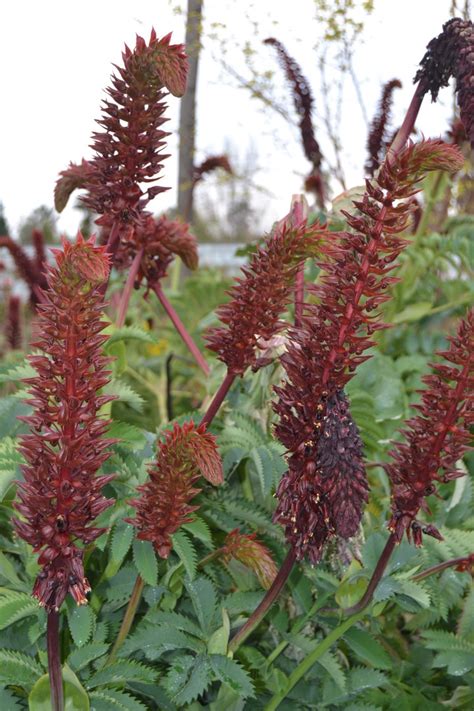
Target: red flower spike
x=252, y=316
x=378, y=129
x=161, y=240
x=26, y=267
x=435, y=439
x=327, y=347
x=451, y=54
x=303, y=102
x=60, y=496
x=128, y=148
x=186, y=453
x=250, y=552
x=12, y=323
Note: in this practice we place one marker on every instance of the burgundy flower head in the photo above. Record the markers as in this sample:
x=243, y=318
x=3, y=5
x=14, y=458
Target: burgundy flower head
x=60, y=496
x=250, y=552
x=326, y=348
x=436, y=438
x=252, y=316
x=378, y=129
x=128, y=151
x=451, y=54
x=186, y=453
x=324, y=491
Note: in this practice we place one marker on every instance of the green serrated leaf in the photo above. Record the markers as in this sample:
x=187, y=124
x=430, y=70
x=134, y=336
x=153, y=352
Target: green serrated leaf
x=120, y=672
x=145, y=560
x=367, y=648
x=80, y=658
x=199, y=529
x=129, y=435
x=18, y=669
x=15, y=606
x=127, y=333
x=457, y=663
x=123, y=392
x=186, y=552
x=111, y=699
x=81, y=621
x=220, y=638
x=360, y=679
x=75, y=696
x=231, y=673
x=187, y=679
x=466, y=621
x=204, y=600
x=122, y=537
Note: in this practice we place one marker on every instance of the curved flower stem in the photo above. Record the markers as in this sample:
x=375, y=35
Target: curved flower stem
x=128, y=288
x=54, y=662
x=262, y=609
x=376, y=576
x=127, y=618
x=218, y=399
x=468, y=561
x=179, y=326
x=312, y=658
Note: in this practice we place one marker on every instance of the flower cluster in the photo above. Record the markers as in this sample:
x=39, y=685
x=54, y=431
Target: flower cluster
x=303, y=101
x=60, y=496
x=252, y=316
x=186, y=453
x=161, y=240
x=378, y=128
x=128, y=151
x=250, y=552
x=435, y=439
x=451, y=54
x=325, y=350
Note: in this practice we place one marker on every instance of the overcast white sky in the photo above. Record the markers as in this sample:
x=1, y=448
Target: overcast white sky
x=56, y=60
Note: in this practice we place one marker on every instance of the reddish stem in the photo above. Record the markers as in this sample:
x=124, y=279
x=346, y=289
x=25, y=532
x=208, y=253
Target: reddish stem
x=54, y=662
x=376, y=576
x=408, y=124
x=270, y=597
x=466, y=561
x=218, y=399
x=128, y=288
x=179, y=326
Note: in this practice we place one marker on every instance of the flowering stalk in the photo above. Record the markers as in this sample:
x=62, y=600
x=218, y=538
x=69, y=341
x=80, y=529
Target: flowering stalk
x=434, y=441
x=26, y=268
x=60, y=496
x=303, y=100
x=246, y=549
x=12, y=323
x=378, y=128
x=252, y=316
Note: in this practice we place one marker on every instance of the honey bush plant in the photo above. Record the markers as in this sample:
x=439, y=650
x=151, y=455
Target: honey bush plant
x=282, y=520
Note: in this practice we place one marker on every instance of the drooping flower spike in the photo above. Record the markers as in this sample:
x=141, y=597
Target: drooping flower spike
x=435, y=439
x=451, y=54
x=13, y=322
x=61, y=495
x=186, y=453
x=324, y=489
x=378, y=128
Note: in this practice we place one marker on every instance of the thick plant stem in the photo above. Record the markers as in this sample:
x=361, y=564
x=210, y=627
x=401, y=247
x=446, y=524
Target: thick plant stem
x=54, y=662
x=376, y=576
x=311, y=659
x=128, y=288
x=262, y=609
x=430, y=204
x=127, y=618
x=179, y=326
x=218, y=399
x=408, y=124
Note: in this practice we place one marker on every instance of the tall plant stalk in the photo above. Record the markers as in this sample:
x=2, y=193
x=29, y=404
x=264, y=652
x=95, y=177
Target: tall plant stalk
x=54, y=661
